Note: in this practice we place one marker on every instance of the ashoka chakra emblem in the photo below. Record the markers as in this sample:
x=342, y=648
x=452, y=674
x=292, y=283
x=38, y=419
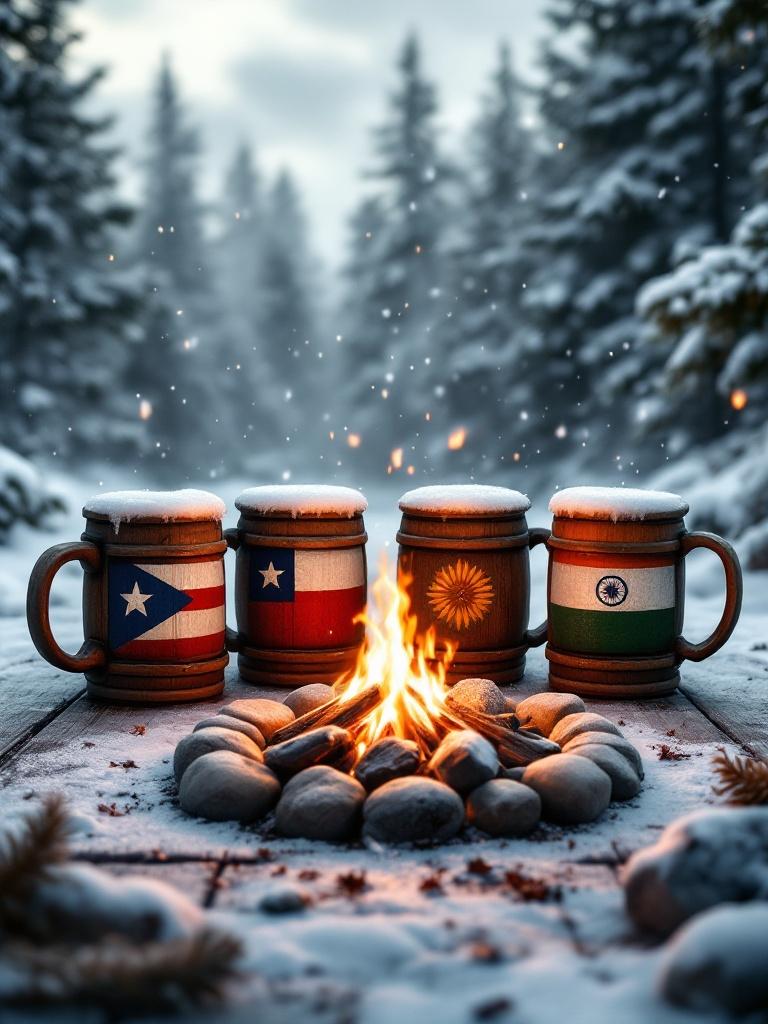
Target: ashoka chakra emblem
x=611, y=590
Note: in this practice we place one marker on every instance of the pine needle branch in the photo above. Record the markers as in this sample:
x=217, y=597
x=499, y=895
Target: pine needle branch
x=126, y=979
x=27, y=856
x=743, y=780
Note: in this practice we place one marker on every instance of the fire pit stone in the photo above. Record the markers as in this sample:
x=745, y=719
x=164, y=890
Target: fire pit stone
x=464, y=760
x=543, y=711
x=225, y=786
x=502, y=807
x=412, y=810
x=573, y=790
x=608, y=739
x=625, y=782
x=387, y=759
x=235, y=725
x=477, y=695
x=320, y=803
x=328, y=744
x=206, y=740
x=307, y=698
x=267, y=715
x=584, y=721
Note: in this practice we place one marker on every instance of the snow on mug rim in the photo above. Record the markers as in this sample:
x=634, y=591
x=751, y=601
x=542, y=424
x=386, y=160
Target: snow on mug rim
x=302, y=500
x=464, y=500
x=186, y=504
x=617, y=504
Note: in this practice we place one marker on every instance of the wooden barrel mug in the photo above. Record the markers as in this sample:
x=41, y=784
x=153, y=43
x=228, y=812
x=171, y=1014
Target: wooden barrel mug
x=616, y=592
x=464, y=561
x=153, y=597
x=299, y=584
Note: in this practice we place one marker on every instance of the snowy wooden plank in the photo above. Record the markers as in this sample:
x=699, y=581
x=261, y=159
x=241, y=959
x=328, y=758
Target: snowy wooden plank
x=33, y=693
x=733, y=697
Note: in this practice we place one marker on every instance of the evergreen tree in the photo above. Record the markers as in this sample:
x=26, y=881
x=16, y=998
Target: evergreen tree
x=286, y=316
x=638, y=169
x=67, y=308
x=490, y=265
x=289, y=360
x=240, y=264
x=187, y=382
x=395, y=295
x=713, y=312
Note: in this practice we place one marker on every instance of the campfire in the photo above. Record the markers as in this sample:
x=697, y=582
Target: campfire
x=398, y=688
x=399, y=756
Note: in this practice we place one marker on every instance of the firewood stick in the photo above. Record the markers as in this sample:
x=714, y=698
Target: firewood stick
x=336, y=712
x=514, y=747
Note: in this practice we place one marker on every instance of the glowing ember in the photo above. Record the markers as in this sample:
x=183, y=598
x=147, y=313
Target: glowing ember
x=456, y=439
x=411, y=676
x=353, y=440
x=739, y=399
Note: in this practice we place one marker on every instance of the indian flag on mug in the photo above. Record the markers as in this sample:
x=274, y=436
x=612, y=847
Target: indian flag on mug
x=604, y=604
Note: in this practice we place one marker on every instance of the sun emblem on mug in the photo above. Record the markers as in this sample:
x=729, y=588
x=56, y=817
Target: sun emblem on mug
x=460, y=594
x=611, y=590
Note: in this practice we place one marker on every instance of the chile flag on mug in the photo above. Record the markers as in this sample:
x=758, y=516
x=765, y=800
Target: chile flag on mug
x=304, y=599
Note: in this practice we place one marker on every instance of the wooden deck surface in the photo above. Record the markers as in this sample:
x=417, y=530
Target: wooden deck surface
x=50, y=734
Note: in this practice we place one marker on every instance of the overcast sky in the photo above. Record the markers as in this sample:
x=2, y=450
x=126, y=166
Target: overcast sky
x=302, y=80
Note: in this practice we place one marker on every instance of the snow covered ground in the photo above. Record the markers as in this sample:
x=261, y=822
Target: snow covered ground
x=432, y=936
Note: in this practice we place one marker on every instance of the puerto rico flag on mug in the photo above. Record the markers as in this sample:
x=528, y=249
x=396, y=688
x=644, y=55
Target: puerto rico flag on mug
x=599, y=604
x=300, y=600
x=166, y=612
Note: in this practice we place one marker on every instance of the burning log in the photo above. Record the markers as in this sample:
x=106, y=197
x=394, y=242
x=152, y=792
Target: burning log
x=346, y=714
x=515, y=747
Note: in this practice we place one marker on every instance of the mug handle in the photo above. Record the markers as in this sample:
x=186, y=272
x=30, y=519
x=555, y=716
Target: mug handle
x=232, y=637
x=91, y=655
x=536, y=637
x=733, y=593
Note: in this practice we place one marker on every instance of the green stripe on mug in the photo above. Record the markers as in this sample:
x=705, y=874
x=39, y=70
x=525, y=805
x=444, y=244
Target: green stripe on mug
x=598, y=632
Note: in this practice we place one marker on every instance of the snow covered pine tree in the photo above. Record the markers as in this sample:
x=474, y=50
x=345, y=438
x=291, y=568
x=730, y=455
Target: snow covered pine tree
x=395, y=297
x=714, y=309
x=68, y=311
x=637, y=119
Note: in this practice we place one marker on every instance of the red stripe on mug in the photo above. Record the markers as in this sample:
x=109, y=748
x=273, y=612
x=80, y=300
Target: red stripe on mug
x=611, y=559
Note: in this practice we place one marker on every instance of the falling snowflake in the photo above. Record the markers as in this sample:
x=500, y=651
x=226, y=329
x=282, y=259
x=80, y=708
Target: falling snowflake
x=460, y=594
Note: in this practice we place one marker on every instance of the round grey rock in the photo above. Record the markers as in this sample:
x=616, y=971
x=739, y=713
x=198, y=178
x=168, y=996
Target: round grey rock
x=308, y=698
x=706, y=858
x=328, y=744
x=625, y=782
x=515, y=773
x=464, y=760
x=477, y=695
x=189, y=748
x=320, y=803
x=620, y=743
x=267, y=715
x=573, y=790
x=235, y=724
x=584, y=721
x=224, y=786
x=387, y=759
x=543, y=711
x=412, y=810
x=502, y=807
x=719, y=961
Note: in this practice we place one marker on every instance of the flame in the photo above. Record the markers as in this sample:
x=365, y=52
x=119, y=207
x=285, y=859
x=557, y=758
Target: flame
x=406, y=666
